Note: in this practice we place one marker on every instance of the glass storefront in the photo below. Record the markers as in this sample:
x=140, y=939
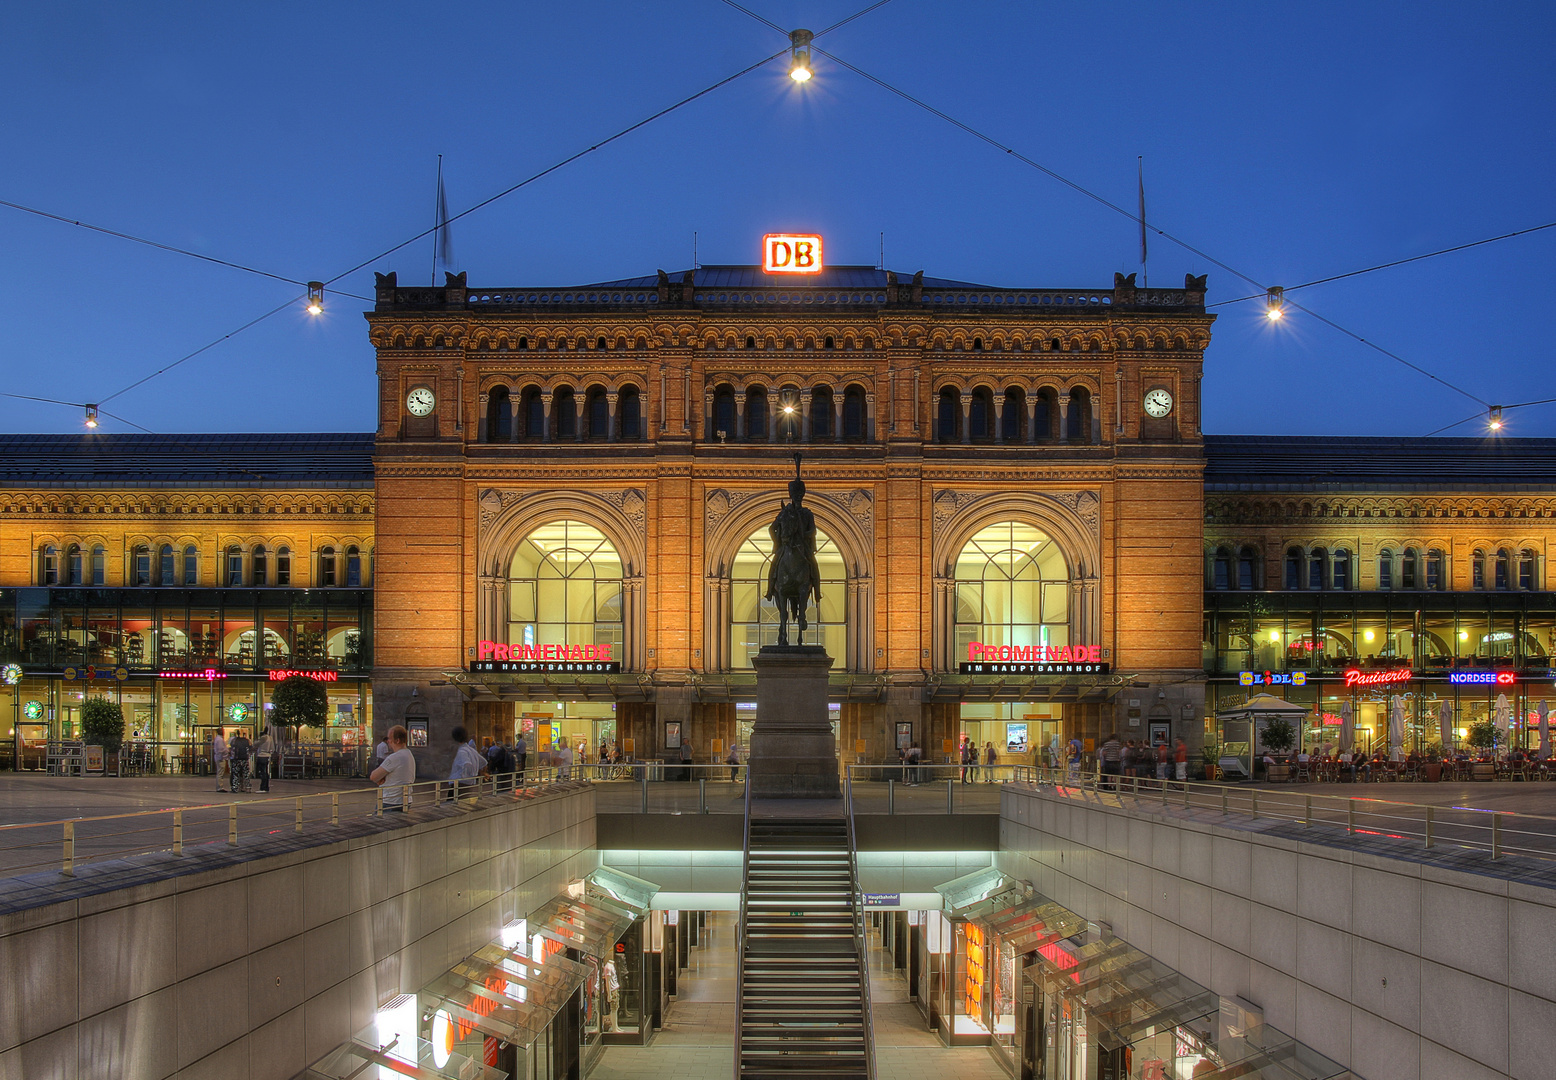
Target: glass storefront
x=581, y=726
x=1021, y=733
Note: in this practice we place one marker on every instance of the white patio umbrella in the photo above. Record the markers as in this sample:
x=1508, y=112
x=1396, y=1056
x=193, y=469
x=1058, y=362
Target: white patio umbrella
x=1445, y=724
x=1503, y=717
x=1545, y=731
x=1347, y=731
x=1397, y=725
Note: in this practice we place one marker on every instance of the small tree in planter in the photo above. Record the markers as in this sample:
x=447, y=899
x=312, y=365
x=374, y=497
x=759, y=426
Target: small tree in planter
x=298, y=701
x=1210, y=756
x=1483, y=736
x=1278, y=737
x=102, y=724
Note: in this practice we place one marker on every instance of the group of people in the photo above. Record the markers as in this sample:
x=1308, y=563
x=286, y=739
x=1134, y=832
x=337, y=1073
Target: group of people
x=969, y=758
x=1137, y=758
x=234, y=758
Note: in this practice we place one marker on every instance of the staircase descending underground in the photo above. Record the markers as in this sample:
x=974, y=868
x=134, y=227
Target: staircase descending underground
x=804, y=1007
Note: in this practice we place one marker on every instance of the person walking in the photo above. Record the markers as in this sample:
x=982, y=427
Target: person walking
x=397, y=772
x=1180, y=757
x=262, y=753
x=915, y=772
x=468, y=763
x=1163, y=760
x=1075, y=758
x=520, y=753
x=732, y=759
x=238, y=761
x=969, y=758
x=990, y=759
x=1112, y=755
x=219, y=756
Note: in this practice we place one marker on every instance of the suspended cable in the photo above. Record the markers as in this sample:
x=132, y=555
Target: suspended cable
x=1396, y=262
x=201, y=349
x=759, y=18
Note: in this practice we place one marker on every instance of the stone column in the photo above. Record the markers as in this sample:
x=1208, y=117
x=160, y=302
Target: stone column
x=612, y=397
x=966, y=403
x=793, y=753
x=869, y=416
x=837, y=415
x=1032, y=400
x=710, y=425
x=773, y=413
x=545, y=415
x=481, y=432
x=805, y=403
x=942, y=630
x=1064, y=418
x=1001, y=404
x=739, y=434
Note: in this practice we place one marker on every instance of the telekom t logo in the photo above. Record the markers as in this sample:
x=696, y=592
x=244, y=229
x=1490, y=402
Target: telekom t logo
x=787, y=253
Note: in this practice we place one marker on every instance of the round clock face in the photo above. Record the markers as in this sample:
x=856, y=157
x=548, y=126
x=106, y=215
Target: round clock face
x=1158, y=402
x=420, y=401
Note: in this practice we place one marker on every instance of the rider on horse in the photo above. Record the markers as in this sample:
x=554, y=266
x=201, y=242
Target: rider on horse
x=793, y=533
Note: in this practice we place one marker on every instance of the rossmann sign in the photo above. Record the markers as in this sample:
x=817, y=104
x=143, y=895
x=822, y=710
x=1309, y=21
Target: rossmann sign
x=498, y=656
x=1033, y=660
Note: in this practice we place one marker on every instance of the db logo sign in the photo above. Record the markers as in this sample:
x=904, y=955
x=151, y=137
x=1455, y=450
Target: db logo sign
x=785, y=253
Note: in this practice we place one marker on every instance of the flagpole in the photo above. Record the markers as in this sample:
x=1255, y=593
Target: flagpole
x=1145, y=276
x=437, y=204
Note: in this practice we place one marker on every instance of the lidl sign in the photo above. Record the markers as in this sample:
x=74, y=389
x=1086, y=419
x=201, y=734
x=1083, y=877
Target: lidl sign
x=791, y=253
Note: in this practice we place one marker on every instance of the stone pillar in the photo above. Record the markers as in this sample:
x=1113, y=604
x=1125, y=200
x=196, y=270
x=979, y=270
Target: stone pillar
x=837, y=415
x=773, y=413
x=711, y=425
x=966, y=402
x=793, y=753
x=545, y=415
x=739, y=434
x=869, y=416
x=1032, y=400
x=611, y=399
x=1064, y=418
x=805, y=403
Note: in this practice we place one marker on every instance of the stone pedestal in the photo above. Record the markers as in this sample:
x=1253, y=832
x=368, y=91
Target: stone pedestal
x=793, y=754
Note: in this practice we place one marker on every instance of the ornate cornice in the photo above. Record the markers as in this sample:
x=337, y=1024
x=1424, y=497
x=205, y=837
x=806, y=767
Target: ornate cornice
x=132, y=505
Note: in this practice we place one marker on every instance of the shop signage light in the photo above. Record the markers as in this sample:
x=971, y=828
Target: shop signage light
x=208, y=674
x=1033, y=660
x=1272, y=678
x=1358, y=677
x=791, y=253
x=499, y=657
x=319, y=676
x=1483, y=678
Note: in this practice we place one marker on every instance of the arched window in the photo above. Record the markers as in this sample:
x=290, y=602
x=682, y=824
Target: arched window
x=499, y=416
x=283, y=566
x=327, y=577
x=830, y=343
x=599, y=415
x=564, y=588
x=979, y=428
x=73, y=564
x=1526, y=572
x=48, y=569
x=750, y=342
x=1012, y=416
x=756, y=414
x=534, y=413
x=1504, y=578
x=167, y=574
x=1221, y=570
x=790, y=420
x=1247, y=569
x=821, y=413
x=564, y=413
x=950, y=415
x=99, y=568
x=1385, y=569
x=853, y=414
x=191, y=565
x=353, y=567
x=140, y=565
x=1293, y=568
x=1046, y=416
x=1340, y=570
x=1315, y=568
x=1080, y=416
x=1408, y=577
x=629, y=413
x=1436, y=579
x=1478, y=569
x=234, y=566
x=259, y=559
x=1012, y=588
x=723, y=413
x=754, y=620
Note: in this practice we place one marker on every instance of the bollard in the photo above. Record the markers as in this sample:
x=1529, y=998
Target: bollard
x=299, y=826
x=1496, y=836
x=232, y=824
x=335, y=808
x=891, y=796
x=1429, y=815
x=69, y=869
x=1350, y=815
x=178, y=831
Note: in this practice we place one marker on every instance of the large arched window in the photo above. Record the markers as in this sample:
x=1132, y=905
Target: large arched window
x=534, y=413
x=754, y=620
x=1012, y=416
x=283, y=566
x=756, y=414
x=1436, y=579
x=48, y=571
x=191, y=565
x=724, y=414
x=1045, y=415
x=166, y=573
x=1247, y=568
x=73, y=564
x=1408, y=578
x=1293, y=568
x=564, y=588
x=564, y=413
x=1504, y=577
x=599, y=414
x=141, y=568
x=1012, y=588
x=853, y=414
x=234, y=576
x=629, y=409
x=1221, y=570
x=1478, y=569
x=1079, y=416
x=1527, y=577
x=260, y=560
x=499, y=416
x=979, y=408
x=1386, y=569
x=948, y=415
x=1340, y=570
x=353, y=567
x=821, y=413
x=327, y=577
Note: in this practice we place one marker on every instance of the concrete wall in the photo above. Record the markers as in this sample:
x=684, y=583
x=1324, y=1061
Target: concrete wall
x=1400, y=968
x=254, y=970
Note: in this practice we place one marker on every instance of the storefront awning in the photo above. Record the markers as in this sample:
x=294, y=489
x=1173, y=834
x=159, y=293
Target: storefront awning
x=630, y=892
x=546, y=986
x=1032, y=924
x=980, y=893
x=589, y=927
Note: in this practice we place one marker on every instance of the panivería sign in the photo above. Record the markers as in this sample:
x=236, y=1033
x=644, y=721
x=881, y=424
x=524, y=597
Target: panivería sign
x=1357, y=677
x=499, y=657
x=1033, y=660
x=791, y=253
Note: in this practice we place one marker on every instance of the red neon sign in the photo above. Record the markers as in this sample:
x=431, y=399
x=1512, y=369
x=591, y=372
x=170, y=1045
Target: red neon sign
x=319, y=676
x=497, y=650
x=788, y=253
x=1357, y=677
x=208, y=674
x=1039, y=654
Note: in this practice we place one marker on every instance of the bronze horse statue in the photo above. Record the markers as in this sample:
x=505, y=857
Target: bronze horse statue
x=793, y=576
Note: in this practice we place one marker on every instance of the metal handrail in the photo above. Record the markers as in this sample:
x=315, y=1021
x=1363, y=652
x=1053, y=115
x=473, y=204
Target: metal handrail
x=856, y=903
x=740, y=930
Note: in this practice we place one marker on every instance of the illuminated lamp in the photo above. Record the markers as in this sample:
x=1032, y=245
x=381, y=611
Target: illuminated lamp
x=799, y=55
x=91, y=416
x=1275, y=304
x=315, y=297
x=1494, y=421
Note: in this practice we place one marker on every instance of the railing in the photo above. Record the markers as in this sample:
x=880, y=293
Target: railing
x=664, y=787
x=1425, y=825
x=63, y=845
x=740, y=933
x=856, y=905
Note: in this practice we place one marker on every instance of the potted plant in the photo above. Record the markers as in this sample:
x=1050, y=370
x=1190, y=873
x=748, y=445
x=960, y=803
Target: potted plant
x=1278, y=738
x=1210, y=754
x=1483, y=737
x=102, y=724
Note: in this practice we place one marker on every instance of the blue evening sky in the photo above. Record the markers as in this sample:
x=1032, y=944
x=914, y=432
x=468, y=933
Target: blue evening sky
x=1292, y=142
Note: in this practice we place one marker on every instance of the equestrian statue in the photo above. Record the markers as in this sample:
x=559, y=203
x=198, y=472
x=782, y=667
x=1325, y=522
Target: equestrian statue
x=793, y=575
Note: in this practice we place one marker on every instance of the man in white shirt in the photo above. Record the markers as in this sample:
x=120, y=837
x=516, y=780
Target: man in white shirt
x=397, y=771
x=381, y=751
x=468, y=762
x=219, y=756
